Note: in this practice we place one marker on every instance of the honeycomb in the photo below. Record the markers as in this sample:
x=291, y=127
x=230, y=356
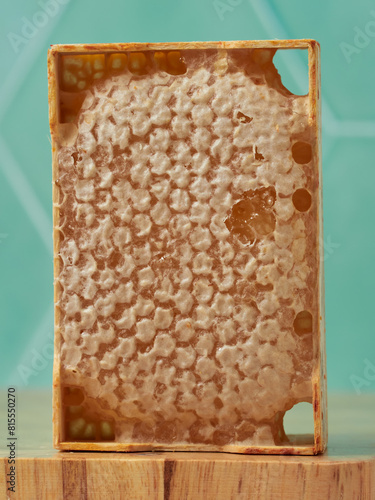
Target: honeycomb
x=187, y=248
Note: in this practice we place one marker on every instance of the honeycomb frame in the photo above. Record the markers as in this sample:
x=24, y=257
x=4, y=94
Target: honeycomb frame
x=61, y=137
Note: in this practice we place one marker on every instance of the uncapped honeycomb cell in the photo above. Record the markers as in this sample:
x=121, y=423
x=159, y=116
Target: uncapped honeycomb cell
x=302, y=152
x=187, y=269
x=137, y=63
x=175, y=63
x=303, y=323
x=116, y=62
x=302, y=200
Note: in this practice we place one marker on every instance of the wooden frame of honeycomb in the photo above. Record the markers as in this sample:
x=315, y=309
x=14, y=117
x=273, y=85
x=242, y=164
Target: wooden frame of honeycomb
x=189, y=296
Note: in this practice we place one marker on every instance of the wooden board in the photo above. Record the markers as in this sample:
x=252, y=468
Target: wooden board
x=346, y=471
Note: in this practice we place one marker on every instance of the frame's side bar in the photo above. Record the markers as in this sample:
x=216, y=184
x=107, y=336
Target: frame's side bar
x=319, y=379
x=54, y=121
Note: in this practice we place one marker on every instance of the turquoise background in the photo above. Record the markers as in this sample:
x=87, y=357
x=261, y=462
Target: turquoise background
x=348, y=75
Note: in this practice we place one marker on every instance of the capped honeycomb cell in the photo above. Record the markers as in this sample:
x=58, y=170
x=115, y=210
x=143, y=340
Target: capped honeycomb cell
x=188, y=275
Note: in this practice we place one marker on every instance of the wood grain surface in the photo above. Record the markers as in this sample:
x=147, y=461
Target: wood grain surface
x=345, y=472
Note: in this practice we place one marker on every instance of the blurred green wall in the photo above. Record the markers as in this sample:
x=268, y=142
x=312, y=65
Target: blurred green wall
x=346, y=32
